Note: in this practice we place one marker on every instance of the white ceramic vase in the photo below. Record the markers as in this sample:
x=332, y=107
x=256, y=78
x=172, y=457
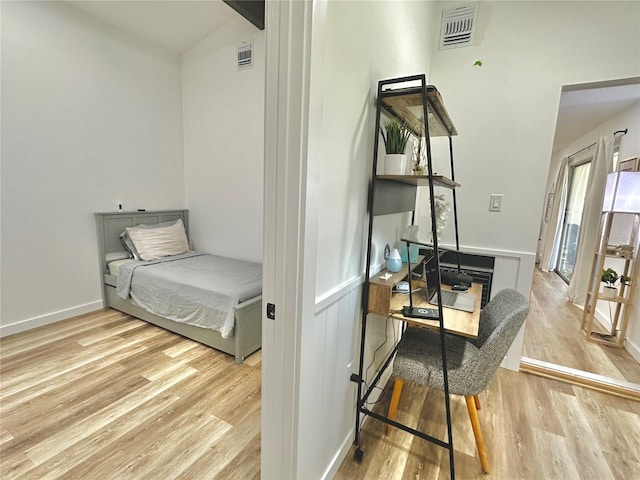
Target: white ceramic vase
x=609, y=292
x=394, y=263
x=395, y=164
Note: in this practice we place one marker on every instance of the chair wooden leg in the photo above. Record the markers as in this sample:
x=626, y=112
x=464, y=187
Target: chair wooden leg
x=395, y=398
x=477, y=433
x=476, y=399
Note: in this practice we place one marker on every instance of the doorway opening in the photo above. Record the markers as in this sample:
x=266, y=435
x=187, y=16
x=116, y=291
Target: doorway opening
x=553, y=335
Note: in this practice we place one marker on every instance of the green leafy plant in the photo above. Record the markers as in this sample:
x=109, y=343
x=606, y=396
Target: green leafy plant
x=610, y=277
x=396, y=137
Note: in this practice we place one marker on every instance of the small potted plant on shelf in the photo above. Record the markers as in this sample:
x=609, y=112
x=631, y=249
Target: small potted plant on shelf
x=396, y=136
x=418, y=166
x=610, y=277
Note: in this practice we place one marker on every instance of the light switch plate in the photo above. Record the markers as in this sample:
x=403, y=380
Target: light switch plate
x=495, y=202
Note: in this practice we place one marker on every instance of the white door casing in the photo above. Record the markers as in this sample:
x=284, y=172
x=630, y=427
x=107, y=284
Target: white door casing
x=288, y=43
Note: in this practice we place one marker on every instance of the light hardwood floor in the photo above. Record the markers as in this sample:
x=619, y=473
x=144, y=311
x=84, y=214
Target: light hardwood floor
x=106, y=396
x=553, y=334
x=534, y=429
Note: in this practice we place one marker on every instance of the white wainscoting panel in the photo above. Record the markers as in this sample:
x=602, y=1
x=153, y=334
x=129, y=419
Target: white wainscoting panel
x=327, y=396
x=330, y=343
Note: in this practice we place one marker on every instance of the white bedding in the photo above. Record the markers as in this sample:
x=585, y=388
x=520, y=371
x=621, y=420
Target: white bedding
x=114, y=267
x=194, y=288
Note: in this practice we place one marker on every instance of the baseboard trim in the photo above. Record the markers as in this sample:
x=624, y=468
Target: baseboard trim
x=339, y=457
x=633, y=349
x=35, y=322
x=580, y=378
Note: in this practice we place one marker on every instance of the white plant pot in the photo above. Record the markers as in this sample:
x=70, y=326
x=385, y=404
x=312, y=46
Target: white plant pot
x=609, y=292
x=395, y=164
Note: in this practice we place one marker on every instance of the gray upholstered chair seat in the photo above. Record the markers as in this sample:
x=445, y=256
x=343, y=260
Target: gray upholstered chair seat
x=419, y=359
x=471, y=364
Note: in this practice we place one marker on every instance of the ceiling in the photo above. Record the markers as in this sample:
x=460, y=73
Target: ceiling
x=173, y=24
x=584, y=107
x=178, y=25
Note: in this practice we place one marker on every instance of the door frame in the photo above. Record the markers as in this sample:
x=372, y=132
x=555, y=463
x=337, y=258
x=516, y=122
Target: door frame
x=286, y=276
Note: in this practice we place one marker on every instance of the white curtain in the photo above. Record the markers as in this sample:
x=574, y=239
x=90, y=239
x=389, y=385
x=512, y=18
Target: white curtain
x=551, y=241
x=601, y=165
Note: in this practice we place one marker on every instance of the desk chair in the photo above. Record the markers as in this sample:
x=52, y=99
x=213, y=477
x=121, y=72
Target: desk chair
x=471, y=364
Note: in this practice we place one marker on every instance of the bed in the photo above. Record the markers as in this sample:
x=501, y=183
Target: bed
x=244, y=335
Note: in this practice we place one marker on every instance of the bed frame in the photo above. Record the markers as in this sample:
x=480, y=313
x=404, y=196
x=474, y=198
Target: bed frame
x=247, y=333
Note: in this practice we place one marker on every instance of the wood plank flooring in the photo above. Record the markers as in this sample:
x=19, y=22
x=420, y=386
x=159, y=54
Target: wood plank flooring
x=534, y=429
x=553, y=334
x=107, y=396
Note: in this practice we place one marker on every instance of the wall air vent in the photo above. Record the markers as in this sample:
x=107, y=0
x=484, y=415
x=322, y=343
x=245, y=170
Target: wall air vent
x=245, y=55
x=458, y=26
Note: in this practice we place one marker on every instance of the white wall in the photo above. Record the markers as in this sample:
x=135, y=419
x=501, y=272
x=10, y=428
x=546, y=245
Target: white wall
x=505, y=112
x=368, y=41
x=90, y=117
x=224, y=142
x=362, y=42
x=506, y=109
x=629, y=147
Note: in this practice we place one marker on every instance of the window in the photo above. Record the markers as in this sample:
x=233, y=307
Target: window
x=578, y=178
x=616, y=151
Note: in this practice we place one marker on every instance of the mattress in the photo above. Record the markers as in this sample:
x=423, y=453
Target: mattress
x=114, y=267
x=194, y=288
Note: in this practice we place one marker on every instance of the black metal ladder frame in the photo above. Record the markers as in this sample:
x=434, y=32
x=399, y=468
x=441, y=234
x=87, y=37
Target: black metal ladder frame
x=362, y=399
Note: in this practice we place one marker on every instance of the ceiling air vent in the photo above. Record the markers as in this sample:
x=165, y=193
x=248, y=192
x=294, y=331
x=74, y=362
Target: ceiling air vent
x=458, y=27
x=245, y=55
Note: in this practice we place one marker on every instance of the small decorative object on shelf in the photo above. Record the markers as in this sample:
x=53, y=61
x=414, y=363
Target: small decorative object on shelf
x=394, y=263
x=419, y=163
x=624, y=251
x=410, y=232
x=609, y=277
x=396, y=135
x=442, y=209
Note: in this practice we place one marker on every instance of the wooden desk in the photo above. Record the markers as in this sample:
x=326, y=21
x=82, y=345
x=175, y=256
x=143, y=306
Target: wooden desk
x=455, y=321
x=383, y=301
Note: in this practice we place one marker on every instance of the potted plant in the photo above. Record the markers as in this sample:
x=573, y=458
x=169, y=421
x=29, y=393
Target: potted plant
x=610, y=277
x=396, y=136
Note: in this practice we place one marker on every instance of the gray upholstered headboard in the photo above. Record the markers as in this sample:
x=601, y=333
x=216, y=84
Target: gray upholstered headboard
x=111, y=224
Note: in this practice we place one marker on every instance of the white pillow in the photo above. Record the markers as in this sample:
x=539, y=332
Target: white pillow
x=159, y=242
x=128, y=244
